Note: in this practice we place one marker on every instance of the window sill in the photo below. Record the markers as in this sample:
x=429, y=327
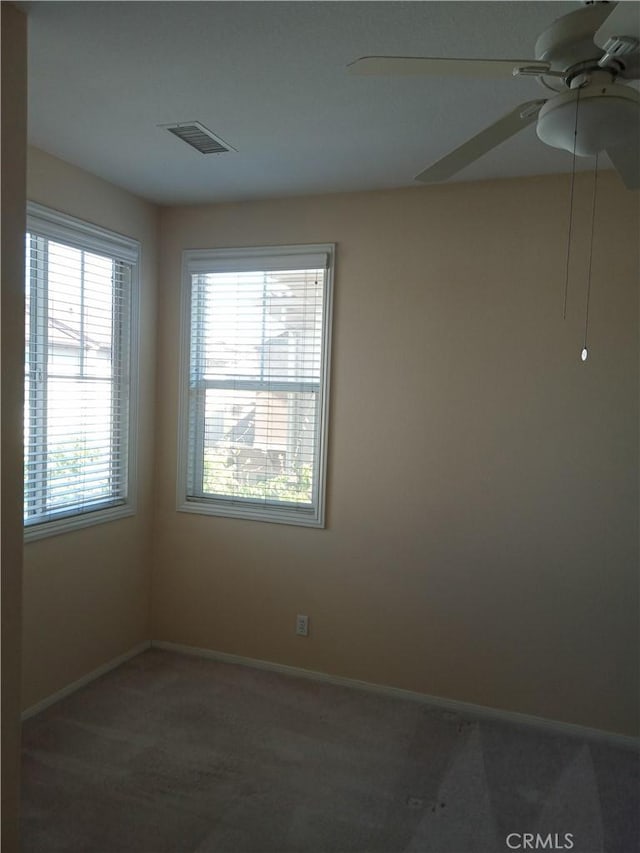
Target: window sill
x=272, y=514
x=76, y=522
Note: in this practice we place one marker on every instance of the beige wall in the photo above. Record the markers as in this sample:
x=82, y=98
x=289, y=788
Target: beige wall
x=12, y=168
x=482, y=536
x=86, y=593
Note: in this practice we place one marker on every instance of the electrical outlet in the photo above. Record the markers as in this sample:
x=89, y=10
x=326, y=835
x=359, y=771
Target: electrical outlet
x=302, y=625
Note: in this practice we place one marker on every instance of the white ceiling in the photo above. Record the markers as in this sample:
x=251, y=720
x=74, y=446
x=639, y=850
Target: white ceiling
x=270, y=79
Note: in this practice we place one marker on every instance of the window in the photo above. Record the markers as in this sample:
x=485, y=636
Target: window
x=81, y=283
x=256, y=331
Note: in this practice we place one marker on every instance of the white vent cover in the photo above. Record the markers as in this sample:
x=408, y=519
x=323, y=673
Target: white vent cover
x=198, y=136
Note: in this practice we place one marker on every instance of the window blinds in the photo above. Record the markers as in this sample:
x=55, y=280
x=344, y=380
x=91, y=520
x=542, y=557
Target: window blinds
x=77, y=373
x=257, y=371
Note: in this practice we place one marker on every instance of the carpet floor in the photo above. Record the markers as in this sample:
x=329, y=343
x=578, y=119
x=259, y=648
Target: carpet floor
x=174, y=754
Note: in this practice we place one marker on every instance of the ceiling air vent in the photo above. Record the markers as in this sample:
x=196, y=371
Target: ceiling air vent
x=199, y=137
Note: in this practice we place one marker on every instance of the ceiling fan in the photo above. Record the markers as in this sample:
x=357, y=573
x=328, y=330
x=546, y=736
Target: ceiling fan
x=582, y=58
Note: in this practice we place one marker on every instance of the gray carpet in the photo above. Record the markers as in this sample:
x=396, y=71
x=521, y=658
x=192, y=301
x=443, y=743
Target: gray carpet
x=173, y=753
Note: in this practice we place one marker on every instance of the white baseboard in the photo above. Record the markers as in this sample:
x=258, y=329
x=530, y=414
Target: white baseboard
x=86, y=679
x=456, y=706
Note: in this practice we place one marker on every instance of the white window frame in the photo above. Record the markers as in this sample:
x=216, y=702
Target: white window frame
x=246, y=259
x=57, y=226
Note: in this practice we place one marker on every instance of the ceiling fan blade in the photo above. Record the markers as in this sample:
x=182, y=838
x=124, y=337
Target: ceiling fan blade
x=627, y=163
x=484, y=141
x=623, y=20
x=619, y=37
x=480, y=68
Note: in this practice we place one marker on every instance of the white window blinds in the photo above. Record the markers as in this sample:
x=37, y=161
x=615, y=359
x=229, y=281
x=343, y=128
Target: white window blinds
x=79, y=284
x=257, y=364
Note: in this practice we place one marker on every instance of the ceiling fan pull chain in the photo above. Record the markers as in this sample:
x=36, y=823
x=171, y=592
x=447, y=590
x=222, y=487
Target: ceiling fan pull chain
x=573, y=180
x=585, y=351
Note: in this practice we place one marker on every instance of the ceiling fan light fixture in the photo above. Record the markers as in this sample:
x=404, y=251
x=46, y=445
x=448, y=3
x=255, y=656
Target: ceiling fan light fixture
x=607, y=117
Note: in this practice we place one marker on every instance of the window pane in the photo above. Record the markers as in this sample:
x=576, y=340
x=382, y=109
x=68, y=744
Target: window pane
x=260, y=445
x=265, y=326
x=80, y=442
